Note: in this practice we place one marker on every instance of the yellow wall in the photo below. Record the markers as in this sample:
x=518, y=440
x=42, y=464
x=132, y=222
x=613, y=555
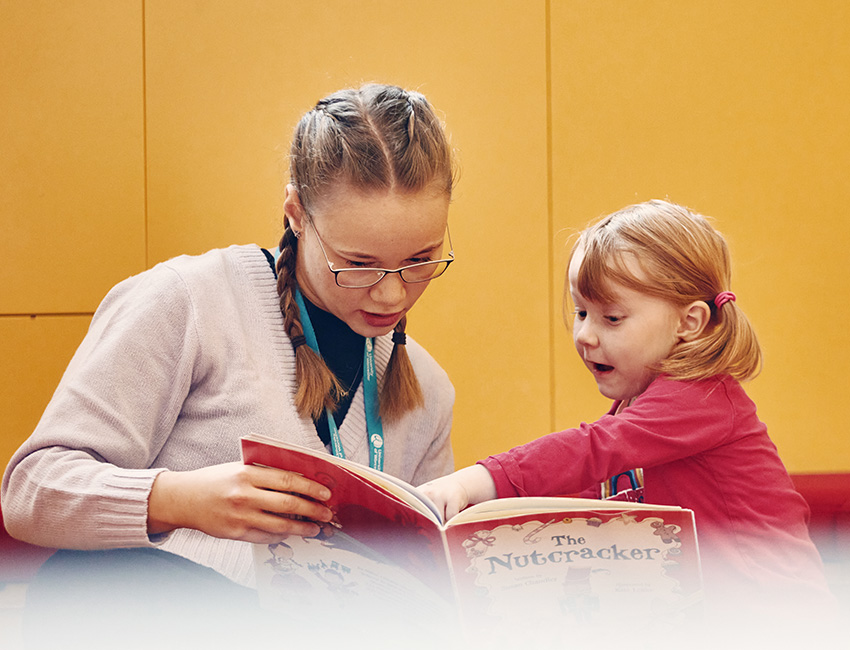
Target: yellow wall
x=133, y=131
x=738, y=109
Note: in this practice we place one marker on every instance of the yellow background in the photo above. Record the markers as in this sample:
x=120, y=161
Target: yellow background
x=133, y=131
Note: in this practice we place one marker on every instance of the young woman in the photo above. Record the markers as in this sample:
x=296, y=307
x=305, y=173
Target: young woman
x=139, y=447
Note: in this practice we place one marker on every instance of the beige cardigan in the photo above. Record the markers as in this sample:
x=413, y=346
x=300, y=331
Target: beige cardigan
x=180, y=361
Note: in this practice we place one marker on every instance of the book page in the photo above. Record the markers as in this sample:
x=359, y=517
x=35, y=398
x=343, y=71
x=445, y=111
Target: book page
x=347, y=583
x=524, y=505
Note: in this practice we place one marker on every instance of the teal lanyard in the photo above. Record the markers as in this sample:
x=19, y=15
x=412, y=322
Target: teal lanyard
x=374, y=427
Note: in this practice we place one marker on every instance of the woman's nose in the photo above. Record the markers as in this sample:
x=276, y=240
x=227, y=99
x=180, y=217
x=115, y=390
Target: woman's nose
x=391, y=290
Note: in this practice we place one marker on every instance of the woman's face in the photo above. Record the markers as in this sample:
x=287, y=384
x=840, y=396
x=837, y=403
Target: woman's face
x=376, y=229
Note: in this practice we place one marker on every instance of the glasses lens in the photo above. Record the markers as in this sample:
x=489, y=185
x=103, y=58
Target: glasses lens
x=358, y=278
x=424, y=272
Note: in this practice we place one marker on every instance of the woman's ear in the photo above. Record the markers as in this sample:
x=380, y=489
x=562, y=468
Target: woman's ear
x=293, y=209
x=694, y=320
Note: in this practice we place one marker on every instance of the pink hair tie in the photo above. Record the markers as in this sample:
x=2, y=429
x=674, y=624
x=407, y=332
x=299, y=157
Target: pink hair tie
x=723, y=297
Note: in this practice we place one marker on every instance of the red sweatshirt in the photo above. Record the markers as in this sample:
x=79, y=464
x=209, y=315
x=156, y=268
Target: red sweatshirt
x=702, y=447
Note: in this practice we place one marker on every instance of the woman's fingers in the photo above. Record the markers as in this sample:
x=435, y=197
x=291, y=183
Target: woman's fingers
x=288, y=504
x=235, y=501
x=278, y=502
x=280, y=480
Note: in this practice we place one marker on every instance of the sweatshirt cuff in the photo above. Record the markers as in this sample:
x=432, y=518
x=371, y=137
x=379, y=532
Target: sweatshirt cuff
x=504, y=486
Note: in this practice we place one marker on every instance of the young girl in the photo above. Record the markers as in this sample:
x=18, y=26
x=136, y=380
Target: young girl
x=658, y=328
x=139, y=446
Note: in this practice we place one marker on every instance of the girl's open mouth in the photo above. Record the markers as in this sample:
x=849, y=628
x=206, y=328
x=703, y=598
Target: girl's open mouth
x=601, y=367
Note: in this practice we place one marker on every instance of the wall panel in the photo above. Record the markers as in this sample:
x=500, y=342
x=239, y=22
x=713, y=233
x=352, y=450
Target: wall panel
x=738, y=110
x=34, y=352
x=71, y=152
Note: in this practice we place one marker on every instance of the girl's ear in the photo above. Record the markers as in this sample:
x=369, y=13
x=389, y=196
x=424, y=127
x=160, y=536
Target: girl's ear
x=293, y=209
x=694, y=320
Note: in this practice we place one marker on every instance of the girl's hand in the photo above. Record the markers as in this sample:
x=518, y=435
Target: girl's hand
x=466, y=487
x=237, y=501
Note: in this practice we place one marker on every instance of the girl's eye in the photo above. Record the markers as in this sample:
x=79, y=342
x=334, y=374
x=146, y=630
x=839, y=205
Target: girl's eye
x=613, y=319
x=357, y=265
x=581, y=314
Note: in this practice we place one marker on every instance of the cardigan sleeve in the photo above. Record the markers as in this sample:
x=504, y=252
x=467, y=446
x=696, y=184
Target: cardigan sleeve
x=669, y=421
x=428, y=443
x=83, y=478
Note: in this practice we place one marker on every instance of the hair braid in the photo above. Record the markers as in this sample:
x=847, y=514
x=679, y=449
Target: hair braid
x=401, y=391
x=317, y=386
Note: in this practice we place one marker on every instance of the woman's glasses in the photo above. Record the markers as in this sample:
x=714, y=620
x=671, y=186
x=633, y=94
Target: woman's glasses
x=360, y=278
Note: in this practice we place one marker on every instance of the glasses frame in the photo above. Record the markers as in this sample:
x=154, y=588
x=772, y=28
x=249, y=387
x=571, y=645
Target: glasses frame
x=384, y=272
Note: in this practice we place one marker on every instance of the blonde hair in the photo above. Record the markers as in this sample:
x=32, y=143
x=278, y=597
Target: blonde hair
x=375, y=138
x=682, y=259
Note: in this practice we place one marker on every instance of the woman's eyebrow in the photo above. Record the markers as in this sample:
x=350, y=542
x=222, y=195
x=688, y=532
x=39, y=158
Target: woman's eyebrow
x=367, y=257
x=429, y=249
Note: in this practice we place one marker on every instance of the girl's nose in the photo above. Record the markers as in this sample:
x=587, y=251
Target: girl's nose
x=391, y=290
x=584, y=335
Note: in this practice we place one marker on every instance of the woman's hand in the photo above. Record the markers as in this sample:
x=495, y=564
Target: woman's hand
x=237, y=501
x=465, y=487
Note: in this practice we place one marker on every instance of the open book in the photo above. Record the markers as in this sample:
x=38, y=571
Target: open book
x=543, y=562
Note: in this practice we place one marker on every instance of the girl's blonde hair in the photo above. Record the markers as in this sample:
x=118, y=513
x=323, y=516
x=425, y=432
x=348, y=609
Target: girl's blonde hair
x=682, y=259
x=375, y=138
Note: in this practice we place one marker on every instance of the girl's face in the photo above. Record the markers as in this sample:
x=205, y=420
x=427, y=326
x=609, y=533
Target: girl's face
x=377, y=229
x=619, y=342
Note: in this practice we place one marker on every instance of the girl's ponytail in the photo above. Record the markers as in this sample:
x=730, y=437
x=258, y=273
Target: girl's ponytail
x=730, y=347
x=318, y=387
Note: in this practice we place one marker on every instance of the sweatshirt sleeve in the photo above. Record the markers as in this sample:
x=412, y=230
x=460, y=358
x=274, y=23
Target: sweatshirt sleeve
x=83, y=478
x=669, y=421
